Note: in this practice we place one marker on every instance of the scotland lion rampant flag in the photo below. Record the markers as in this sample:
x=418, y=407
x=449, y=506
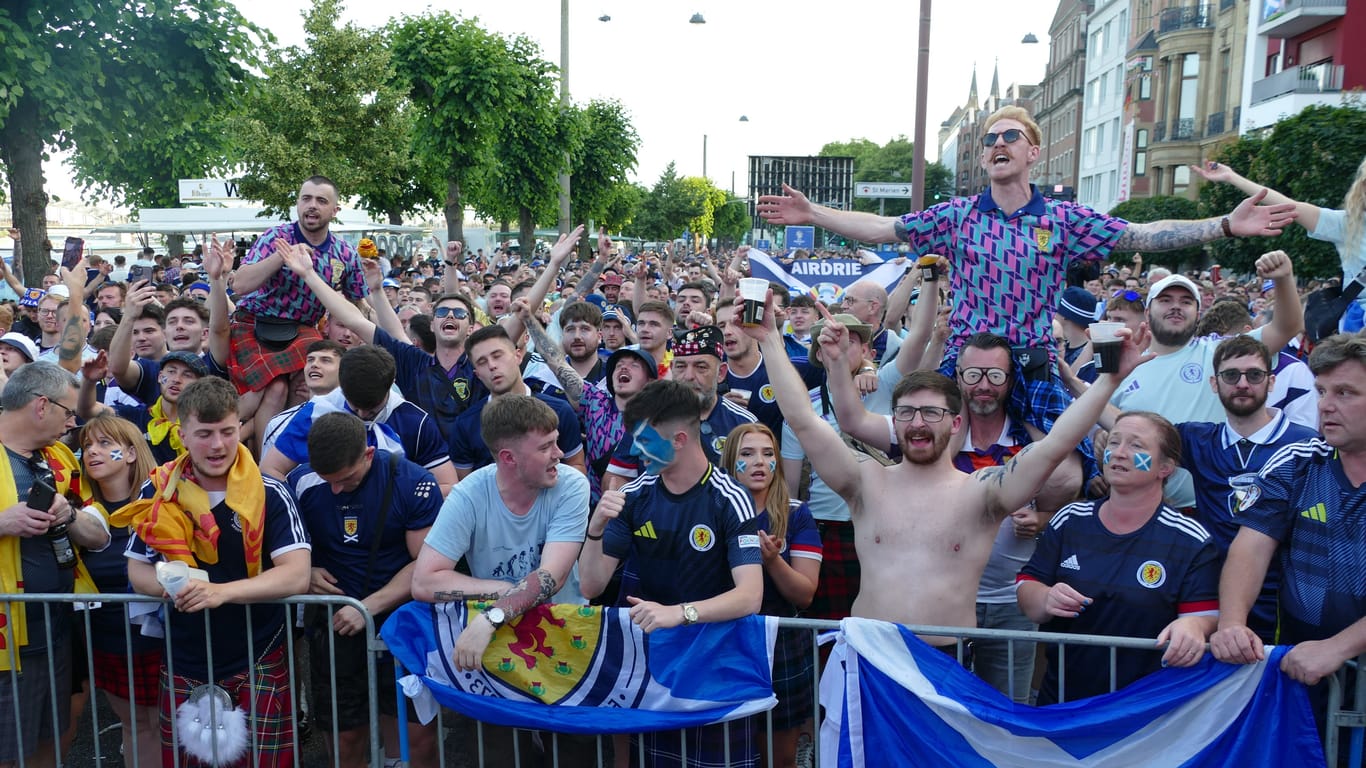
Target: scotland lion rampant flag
x=891, y=699
x=587, y=669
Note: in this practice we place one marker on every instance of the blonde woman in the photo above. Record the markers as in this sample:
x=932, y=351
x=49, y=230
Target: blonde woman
x=791, y=546
x=115, y=460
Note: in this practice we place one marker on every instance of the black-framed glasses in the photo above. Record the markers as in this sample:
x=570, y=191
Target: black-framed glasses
x=932, y=414
x=70, y=414
x=970, y=376
x=1230, y=376
x=459, y=313
x=1011, y=135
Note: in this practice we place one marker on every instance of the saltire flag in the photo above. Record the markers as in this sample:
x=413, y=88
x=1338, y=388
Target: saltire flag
x=891, y=698
x=823, y=279
x=586, y=669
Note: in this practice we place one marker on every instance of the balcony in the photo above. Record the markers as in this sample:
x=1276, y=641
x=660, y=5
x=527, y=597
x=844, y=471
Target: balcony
x=1294, y=17
x=1192, y=18
x=1314, y=78
x=1160, y=132
x=1214, y=124
x=1183, y=129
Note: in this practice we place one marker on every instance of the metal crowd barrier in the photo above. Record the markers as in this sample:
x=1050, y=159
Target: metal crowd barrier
x=1339, y=715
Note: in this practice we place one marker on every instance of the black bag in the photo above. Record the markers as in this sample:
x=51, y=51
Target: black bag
x=1323, y=308
x=1032, y=362
x=276, y=332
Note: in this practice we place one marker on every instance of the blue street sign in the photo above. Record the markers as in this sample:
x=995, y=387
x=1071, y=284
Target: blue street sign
x=799, y=237
x=763, y=245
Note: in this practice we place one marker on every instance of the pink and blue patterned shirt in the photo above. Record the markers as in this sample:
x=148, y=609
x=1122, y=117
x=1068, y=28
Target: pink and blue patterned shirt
x=1008, y=269
x=285, y=295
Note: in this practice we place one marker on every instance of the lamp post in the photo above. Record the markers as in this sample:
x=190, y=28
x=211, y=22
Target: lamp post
x=564, y=224
x=922, y=86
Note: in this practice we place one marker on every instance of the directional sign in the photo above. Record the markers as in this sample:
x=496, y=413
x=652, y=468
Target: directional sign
x=799, y=237
x=875, y=189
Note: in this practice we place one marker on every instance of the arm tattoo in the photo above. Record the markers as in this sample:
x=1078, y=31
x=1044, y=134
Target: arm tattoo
x=1168, y=235
x=525, y=595
x=553, y=353
x=590, y=278
x=456, y=596
x=73, y=335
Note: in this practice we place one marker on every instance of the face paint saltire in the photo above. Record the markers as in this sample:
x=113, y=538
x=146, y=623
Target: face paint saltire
x=652, y=447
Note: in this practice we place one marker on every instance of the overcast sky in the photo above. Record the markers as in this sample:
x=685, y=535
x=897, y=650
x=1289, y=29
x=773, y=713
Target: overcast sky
x=803, y=72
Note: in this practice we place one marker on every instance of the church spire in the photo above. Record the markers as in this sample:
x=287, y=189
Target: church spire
x=972, y=89
x=996, y=81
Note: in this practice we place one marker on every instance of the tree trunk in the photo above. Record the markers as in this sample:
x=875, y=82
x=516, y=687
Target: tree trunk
x=175, y=245
x=455, y=212
x=395, y=216
x=23, y=148
x=526, y=235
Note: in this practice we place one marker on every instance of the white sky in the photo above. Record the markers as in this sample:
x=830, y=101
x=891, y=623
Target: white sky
x=803, y=72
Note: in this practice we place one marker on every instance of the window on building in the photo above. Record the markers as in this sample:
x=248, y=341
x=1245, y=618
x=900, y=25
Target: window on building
x=1145, y=87
x=1181, y=178
x=1114, y=134
x=1124, y=26
x=1141, y=152
x=1104, y=89
x=1189, y=96
x=1225, y=59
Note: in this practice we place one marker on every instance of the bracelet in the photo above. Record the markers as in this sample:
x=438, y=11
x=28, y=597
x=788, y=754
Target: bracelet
x=591, y=537
x=1228, y=228
x=448, y=263
x=867, y=369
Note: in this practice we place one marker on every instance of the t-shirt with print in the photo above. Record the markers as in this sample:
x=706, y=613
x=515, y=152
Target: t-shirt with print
x=285, y=294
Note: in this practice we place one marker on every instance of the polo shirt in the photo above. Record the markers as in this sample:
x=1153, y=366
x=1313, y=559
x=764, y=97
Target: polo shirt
x=285, y=294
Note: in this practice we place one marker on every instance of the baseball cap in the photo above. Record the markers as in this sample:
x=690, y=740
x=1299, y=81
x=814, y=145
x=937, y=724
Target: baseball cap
x=612, y=280
x=651, y=369
x=187, y=359
x=1268, y=285
x=1178, y=281
x=60, y=291
x=31, y=297
x=390, y=282
x=613, y=312
x=1079, y=306
x=863, y=330
x=22, y=343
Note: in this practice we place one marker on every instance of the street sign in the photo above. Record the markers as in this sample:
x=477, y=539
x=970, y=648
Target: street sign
x=764, y=245
x=208, y=190
x=799, y=237
x=875, y=189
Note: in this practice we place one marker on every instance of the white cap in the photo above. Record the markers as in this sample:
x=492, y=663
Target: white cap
x=60, y=291
x=22, y=343
x=1179, y=281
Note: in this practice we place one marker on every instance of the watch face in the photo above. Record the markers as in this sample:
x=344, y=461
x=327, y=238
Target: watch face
x=690, y=614
x=496, y=616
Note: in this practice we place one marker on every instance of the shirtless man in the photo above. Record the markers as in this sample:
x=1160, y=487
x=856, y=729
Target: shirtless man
x=921, y=521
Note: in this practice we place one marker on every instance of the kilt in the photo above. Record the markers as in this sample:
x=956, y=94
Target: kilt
x=253, y=365
x=839, y=582
x=706, y=746
x=111, y=676
x=793, y=683
x=273, y=723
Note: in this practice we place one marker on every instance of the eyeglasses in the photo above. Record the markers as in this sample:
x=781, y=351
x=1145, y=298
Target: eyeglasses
x=70, y=414
x=1011, y=135
x=51, y=312
x=930, y=413
x=1230, y=376
x=459, y=313
x=971, y=376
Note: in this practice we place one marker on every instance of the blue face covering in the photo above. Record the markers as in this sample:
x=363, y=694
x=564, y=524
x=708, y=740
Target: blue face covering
x=652, y=448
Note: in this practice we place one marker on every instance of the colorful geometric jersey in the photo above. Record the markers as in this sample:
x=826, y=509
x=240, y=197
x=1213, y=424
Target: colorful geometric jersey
x=284, y=294
x=1304, y=500
x=1008, y=270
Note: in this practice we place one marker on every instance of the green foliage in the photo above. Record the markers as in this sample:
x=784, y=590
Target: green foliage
x=892, y=162
x=606, y=154
x=1145, y=209
x=732, y=221
x=666, y=210
x=112, y=82
x=326, y=108
x=703, y=199
x=1311, y=157
x=461, y=80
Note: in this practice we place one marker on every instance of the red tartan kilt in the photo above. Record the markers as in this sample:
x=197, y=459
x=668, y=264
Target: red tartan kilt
x=111, y=675
x=252, y=365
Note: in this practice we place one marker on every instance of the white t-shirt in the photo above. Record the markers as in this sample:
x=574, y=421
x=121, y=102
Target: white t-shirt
x=1176, y=386
x=474, y=523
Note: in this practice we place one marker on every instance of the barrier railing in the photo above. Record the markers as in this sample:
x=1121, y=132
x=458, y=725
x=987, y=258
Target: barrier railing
x=1346, y=695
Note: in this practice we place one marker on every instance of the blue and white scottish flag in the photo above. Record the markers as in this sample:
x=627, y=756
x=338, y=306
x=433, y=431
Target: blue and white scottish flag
x=823, y=279
x=587, y=669
x=893, y=700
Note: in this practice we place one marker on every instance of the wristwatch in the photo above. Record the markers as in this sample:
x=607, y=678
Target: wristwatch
x=496, y=617
x=689, y=614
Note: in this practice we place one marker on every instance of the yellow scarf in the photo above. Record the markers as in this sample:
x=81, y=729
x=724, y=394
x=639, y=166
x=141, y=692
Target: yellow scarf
x=13, y=619
x=178, y=521
x=160, y=428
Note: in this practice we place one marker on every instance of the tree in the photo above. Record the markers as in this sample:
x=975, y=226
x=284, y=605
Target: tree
x=732, y=221
x=1145, y=209
x=703, y=199
x=529, y=152
x=606, y=154
x=88, y=76
x=891, y=162
x=667, y=208
x=459, y=78
x=329, y=108
x=622, y=205
x=1311, y=157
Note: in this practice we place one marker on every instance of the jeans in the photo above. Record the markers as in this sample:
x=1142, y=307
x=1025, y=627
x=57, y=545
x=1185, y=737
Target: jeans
x=991, y=659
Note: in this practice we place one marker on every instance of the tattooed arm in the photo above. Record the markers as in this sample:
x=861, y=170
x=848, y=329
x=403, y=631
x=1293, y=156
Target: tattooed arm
x=1249, y=219
x=570, y=380
x=537, y=587
x=77, y=318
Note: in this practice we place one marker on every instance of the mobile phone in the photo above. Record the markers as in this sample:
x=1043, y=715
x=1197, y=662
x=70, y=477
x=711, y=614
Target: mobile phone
x=138, y=272
x=41, y=494
x=71, y=252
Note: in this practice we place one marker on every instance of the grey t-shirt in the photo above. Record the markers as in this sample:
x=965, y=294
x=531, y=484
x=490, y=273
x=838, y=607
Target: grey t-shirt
x=474, y=523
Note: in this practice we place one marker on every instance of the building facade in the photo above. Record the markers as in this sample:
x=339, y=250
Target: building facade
x=1299, y=53
x=1102, y=130
x=1060, y=95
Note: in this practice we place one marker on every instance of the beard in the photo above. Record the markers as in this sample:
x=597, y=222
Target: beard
x=1169, y=336
x=980, y=408
x=1243, y=408
x=939, y=444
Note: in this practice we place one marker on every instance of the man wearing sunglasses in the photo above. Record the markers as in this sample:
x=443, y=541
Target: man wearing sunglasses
x=442, y=384
x=1010, y=246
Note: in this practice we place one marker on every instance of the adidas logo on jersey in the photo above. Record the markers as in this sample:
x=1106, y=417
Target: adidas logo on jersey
x=1071, y=564
x=647, y=531
x=1317, y=513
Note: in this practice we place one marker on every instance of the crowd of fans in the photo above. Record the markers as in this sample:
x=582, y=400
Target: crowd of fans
x=294, y=415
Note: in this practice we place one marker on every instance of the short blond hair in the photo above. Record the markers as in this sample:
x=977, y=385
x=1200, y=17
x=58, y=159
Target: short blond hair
x=1021, y=115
